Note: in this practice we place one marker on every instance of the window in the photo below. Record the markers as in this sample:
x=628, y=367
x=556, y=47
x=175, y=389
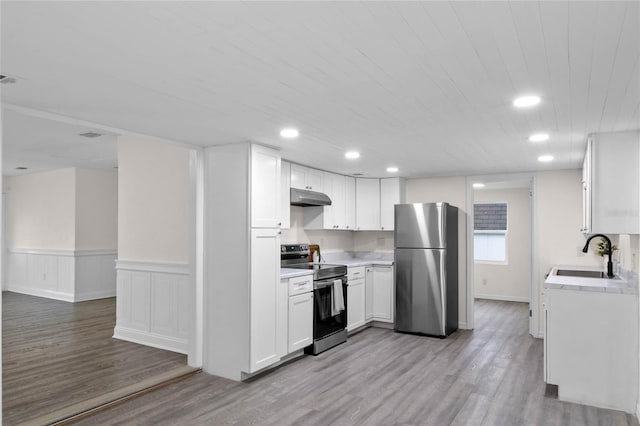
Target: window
x=490, y=232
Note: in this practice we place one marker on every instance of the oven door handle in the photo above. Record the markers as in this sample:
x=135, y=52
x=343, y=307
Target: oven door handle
x=326, y=283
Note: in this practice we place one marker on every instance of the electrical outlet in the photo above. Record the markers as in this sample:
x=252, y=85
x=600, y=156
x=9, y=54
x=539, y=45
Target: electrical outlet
x=484, y=281
x=44, y=277
x=380, y=242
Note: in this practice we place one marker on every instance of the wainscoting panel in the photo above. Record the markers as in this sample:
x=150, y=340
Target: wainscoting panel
x=152, y=305
x=68, y=275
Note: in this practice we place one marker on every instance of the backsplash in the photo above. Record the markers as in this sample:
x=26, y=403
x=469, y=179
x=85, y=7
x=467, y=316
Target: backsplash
x=332, y=241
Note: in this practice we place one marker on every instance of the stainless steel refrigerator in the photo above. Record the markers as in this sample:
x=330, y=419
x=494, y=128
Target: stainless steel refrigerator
x=426, y=268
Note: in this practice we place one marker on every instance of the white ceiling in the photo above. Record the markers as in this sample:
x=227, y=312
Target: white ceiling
x=425, y=86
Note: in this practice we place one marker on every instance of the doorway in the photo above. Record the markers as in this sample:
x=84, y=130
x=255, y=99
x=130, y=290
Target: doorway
x=501, y=261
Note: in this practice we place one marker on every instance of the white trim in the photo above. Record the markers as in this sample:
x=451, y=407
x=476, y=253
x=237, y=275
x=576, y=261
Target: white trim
x=503, y=298
x=49, y=294
x=93, y=295
x=196, y=352
x=463, y=326
x=160, y=267
x=63, y=252
x=151, y=339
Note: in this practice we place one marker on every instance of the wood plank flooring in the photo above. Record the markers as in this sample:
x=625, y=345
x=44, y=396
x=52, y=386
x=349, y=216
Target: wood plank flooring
x=55, y=354
x=489, y=376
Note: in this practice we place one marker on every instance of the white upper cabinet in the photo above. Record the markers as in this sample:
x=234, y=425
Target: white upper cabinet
x=265, y=187
x=285, y=195
x=375, y=201
x=306, y=178
x=350, y=202
x=335, y=215
x=613, y=183
x=392, y=192
x=367, y=204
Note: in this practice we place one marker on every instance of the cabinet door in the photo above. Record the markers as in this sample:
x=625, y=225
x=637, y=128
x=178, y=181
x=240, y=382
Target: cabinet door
x=300, y=321
x=265, y=187
x=368, y=294
x=314, y=179
x=615, y=207
x=265, y=279
x=383, y=293
x=355, y=304
x=298, y=177
x=391, y=193
x=586, y=190
x=285, y=195
x=350, y=202
x=338, y=209
x=367, y=204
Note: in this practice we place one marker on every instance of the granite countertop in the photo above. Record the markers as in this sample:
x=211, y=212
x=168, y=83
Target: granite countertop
x=291, y=273
x=624, y=284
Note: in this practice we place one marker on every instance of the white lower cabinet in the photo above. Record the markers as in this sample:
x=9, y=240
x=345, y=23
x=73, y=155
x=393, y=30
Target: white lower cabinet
x=300, y=321
x=266, y=326
x=383, y=294
x=355, y=297
x=590, y=347
x=368, y=294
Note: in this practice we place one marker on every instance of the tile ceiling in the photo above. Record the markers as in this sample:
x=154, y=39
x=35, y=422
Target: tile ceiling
x=425, y=86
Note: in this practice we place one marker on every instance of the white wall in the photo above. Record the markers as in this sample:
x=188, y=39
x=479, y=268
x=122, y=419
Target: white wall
x=153, y=188
x=155, y=291
x=41, y=210
x=510, y=281
x=453, y=191
x=96, y=209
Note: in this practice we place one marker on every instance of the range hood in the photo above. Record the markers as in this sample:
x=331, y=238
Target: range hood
x=306, y=198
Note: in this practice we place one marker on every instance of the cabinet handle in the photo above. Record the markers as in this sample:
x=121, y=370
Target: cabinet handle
x=382, y=227
x=279, y=232
x=347, y=226
x=279, y=223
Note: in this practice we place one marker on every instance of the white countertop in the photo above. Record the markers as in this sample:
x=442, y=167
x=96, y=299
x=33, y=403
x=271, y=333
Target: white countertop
x=616, y=285
x=291, y=273
x=352, y=259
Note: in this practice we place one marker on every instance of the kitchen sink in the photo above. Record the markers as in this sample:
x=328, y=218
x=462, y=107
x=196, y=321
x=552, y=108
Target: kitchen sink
x=579, y=273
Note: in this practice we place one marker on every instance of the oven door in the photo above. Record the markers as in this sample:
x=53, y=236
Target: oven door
x=324, y=323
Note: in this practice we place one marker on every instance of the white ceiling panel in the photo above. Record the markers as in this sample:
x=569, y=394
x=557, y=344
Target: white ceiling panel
x=425, y=86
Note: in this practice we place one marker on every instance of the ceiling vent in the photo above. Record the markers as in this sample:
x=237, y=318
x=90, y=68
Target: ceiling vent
x=357, y=174
x=91, y=134
x=21, y=168
x=6, y=79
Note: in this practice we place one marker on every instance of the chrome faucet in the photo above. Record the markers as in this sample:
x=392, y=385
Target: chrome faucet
x=609, y=250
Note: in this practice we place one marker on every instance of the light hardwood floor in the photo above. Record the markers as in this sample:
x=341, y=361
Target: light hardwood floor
x=489, y=376
x=55, y=354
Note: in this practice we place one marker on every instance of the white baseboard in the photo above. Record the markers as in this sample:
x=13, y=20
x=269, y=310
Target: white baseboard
x=463, y=326
x=502, y=298
x=150, y=339
x=93, y=295
x=39, y=292
x=69, y=275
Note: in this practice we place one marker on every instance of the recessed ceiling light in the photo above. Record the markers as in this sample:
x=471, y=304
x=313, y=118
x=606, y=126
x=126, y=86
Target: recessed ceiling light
x=526, y=101
x=539, y=137
x=289, y=133
x=478, y=185
x=545, y=158
x=352, y=155
x=392, y=169
x=90, y=134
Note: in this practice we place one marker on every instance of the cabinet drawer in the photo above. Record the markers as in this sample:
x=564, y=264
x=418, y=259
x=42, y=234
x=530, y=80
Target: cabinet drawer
x=299, y=285
x=355, y=273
